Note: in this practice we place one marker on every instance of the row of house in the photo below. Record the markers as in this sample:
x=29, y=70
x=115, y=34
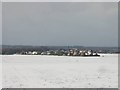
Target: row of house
x=70, y=52
x=75, y=52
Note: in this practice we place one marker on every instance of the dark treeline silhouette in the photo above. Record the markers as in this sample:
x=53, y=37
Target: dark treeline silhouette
x=8, y=49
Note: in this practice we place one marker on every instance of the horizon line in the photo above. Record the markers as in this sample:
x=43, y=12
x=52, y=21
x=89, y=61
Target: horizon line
x=57, y=45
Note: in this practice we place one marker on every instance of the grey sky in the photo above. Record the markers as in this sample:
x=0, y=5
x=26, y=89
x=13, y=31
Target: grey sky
x=0, y=23
x=87, y=24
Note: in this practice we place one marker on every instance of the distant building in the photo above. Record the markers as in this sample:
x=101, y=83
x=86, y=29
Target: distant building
x=34, y=53
x=90, y=52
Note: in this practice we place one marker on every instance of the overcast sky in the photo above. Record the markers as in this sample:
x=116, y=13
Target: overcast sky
x=0, y=23
x=44, y=23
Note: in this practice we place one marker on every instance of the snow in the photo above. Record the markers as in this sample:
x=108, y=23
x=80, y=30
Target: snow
x=0, y=72
x=36, y=71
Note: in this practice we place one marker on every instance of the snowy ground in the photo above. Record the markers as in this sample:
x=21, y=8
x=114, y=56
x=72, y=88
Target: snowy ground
x=0, y=72
x=60, y=71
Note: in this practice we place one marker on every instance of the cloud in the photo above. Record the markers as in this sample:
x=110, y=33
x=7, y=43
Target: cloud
x=88, y=24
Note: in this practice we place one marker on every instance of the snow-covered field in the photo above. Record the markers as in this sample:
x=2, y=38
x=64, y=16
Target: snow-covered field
x=0, y=72
x=21, y=71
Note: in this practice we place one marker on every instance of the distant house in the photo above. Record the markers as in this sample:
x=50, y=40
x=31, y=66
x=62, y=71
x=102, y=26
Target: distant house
x=34, y=53
x=90, y=52
x=48, y=53
x=44, y=53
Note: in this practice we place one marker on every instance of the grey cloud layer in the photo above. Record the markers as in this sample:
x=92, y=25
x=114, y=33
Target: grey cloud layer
x=88, y=24
x=0, y=23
